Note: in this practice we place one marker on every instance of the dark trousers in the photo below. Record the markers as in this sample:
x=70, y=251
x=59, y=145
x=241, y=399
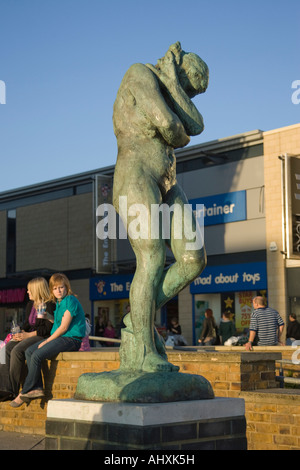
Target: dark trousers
x=11, y=372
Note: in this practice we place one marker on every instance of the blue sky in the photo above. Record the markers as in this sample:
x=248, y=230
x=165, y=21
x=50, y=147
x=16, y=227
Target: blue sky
x=62, y=62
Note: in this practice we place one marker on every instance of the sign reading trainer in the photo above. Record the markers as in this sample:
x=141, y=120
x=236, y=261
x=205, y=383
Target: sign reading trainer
x=231, y=278
x=222, y=208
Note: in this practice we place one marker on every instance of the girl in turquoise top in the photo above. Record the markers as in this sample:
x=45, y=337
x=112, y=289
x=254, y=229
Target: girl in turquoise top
x=66, y=335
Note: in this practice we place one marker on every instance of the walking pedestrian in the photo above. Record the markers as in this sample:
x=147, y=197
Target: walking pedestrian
x=209, y=333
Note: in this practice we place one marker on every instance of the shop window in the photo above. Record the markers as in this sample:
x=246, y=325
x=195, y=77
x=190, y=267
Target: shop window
x=11, y=241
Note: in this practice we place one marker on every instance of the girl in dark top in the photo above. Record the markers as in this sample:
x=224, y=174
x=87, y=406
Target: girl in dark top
x=37, y=326
x=174, y=328
x=227, y=328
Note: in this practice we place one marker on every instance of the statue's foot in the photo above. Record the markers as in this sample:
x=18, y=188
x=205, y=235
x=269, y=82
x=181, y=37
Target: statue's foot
x=153, y=362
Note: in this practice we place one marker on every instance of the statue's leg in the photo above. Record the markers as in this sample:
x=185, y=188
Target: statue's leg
x=150, y=255
x=189, y=262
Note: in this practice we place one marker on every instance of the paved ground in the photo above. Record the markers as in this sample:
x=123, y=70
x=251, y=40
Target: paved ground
x=18, y=441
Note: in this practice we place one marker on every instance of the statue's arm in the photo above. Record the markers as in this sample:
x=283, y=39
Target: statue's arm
x=180, y=102
x=149, y=99
x=185, y=110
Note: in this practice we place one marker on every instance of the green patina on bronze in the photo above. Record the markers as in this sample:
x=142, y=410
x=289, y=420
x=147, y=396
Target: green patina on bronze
x=153, y=115
x=142, y=387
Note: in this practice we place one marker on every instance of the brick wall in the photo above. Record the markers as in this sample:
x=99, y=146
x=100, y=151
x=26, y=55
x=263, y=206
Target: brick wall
x=231, y=371
x=273, y=420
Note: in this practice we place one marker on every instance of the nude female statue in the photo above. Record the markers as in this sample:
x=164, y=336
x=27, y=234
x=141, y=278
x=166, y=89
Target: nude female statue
x=153, y=115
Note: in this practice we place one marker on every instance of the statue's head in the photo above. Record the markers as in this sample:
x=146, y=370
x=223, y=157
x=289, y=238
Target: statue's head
x=192, y=71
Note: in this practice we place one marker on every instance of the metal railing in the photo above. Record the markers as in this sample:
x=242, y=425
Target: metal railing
x=103, y=338
x=282, y=378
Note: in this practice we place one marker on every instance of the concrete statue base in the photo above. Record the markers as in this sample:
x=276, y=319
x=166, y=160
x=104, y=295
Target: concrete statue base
x=217, y=424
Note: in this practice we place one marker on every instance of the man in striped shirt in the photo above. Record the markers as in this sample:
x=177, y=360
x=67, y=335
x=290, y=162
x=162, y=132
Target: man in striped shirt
x=266, y=323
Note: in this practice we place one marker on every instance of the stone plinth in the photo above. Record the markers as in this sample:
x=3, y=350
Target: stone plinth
x=187, y=425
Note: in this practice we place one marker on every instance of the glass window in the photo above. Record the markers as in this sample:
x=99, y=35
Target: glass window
x=11, y=241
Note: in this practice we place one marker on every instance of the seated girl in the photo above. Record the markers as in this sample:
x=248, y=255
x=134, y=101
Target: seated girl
x=37, y=326
x=66, y=335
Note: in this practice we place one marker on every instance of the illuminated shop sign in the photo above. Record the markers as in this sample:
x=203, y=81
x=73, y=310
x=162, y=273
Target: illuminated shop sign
x=110, y=287
x=231, y=278
x=222, y=208
x=12, y=296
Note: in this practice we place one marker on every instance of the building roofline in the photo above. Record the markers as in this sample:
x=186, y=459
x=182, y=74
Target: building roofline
x=188, y=153
x=45, y=186
x=282, y=129
x=220, y=145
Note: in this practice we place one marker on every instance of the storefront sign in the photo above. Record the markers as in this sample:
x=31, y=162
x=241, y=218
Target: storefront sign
x=12, y=296
x=231, y=278
x=291, y=169
x=110, y=287
x=222, y=208
x=104, y=247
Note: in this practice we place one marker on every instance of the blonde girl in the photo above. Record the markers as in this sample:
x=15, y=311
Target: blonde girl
x=39, y=318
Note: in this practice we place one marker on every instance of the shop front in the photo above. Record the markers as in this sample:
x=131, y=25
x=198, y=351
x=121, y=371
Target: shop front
x=109, y=296
x=12, y=308
x=227, y=288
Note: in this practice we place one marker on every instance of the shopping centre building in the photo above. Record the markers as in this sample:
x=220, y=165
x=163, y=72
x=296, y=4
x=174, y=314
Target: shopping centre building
x=249, y=185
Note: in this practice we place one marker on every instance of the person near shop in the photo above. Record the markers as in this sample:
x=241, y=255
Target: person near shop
x=293, y=331
x=85, y=343
x=109, y=332
x=66, y=335
x=174, y=327
x=209, y=333
x=37, y=326
x=175, y=337
x=266, y=324
x=226, y=328
x=99, y=329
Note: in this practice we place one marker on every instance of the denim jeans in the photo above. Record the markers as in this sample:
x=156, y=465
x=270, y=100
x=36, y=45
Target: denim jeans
x=35, y=357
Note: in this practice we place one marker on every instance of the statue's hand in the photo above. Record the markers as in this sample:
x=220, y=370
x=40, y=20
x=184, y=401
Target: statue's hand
x=165, y=70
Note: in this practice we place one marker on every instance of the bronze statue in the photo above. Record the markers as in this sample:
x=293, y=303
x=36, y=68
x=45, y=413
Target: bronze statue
x=153, y=115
